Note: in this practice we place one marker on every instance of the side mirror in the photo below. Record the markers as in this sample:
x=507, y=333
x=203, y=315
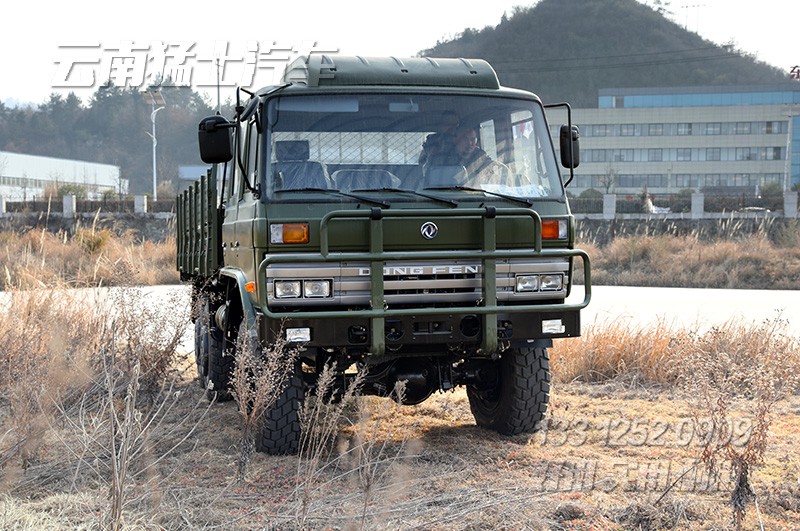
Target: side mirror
x=569, y=145
x=214, y=137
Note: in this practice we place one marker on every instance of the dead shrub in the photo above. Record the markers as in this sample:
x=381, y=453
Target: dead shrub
x=73, y=371
x=350, y=442
x=47, y=346
x=259, y=377
x=147, y=334
x=734, y=376
x=322, y=416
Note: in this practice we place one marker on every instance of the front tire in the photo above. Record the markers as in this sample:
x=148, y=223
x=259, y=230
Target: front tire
x=279, y=433
x=514, y=398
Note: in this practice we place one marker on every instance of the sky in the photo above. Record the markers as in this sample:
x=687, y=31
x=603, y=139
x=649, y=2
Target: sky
x=71, y=46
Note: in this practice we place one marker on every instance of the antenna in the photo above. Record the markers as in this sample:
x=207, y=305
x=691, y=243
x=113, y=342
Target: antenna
x=218, y=104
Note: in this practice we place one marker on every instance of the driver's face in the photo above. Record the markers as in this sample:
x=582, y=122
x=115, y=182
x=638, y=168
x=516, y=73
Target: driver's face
x=466, y=142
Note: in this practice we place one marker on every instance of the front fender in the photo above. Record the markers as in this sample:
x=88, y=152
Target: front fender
x=248, y=307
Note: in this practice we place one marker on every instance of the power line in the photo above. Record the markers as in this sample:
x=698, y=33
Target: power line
x=583, y=58
x=628, y=64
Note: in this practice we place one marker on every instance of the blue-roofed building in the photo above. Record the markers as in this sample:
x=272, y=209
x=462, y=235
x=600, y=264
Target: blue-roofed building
x=712, y=139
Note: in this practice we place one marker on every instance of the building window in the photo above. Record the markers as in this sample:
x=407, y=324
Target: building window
x=600, y=130
x=742, y=128
x=655, y=129
x=657, y=180
x=623, y=155
x=713, y=154
x=627, y=130
x=654, y=155
x=597, y=155
x=625, y=181
x=714, y=128
x=741, y=179
x=684, y=154
x=746, y=154
x=772, y=153
x=684, y=129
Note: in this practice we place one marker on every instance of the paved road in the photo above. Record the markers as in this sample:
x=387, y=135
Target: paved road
x=700, y=308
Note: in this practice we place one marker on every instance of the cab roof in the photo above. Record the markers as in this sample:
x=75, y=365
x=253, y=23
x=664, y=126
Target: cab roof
x=318, y=70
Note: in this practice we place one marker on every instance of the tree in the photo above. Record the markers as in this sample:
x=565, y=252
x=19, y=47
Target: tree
x=66, y=190
x=609, y=179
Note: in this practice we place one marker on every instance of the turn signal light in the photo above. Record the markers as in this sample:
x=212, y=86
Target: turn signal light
x=288, y=233
x=554, y=229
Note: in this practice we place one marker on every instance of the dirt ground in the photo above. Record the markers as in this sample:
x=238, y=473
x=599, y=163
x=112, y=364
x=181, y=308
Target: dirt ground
x=612, y=457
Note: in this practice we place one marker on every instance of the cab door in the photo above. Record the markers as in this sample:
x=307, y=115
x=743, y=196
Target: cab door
x=248, y=204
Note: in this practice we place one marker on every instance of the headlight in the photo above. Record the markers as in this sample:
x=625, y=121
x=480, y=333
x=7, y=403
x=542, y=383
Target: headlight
x=287, y=289
x=316, y=289
x=528, y=283
x=552, y=282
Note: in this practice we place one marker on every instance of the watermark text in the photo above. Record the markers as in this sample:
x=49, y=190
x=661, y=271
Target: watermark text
x=202, y=65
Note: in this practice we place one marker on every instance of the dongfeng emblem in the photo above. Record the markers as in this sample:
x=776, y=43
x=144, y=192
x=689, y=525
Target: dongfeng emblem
x=429, y=230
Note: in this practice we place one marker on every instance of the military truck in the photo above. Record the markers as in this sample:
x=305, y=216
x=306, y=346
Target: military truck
x=403, y=216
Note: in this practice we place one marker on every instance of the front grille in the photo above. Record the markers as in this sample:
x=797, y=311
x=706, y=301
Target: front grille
x=432, y=284
x=418, y=283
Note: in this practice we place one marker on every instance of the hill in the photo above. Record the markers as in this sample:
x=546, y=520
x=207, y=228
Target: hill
x=568, y=49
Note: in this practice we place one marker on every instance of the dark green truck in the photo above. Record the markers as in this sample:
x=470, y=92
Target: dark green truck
x=403, y=215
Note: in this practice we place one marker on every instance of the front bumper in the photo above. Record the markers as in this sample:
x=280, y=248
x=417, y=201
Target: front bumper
x=333, y=327
x=429, y=332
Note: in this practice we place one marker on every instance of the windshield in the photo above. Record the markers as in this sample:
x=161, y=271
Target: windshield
x=379, y=142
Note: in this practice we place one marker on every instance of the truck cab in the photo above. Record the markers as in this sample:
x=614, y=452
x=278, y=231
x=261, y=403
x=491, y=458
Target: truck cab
x=404, y=216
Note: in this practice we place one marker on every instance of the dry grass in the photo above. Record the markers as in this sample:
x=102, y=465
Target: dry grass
x=90, y=257
x=733, y=375
x=101, y=427
x=764, y=259
x=623, y=452
x=660, y=354
x=85, y=383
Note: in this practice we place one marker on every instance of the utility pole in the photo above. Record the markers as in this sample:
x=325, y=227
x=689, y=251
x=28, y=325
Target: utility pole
x=154, y=97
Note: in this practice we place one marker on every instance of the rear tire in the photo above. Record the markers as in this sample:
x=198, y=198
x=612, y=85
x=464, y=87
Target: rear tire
x=517, y=401
x=220, y=363
x=201, y=341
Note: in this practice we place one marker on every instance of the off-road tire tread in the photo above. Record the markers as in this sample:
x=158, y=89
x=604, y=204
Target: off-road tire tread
x=221, y=364
x=524, y=393
x=200, y=350
x=280, y=428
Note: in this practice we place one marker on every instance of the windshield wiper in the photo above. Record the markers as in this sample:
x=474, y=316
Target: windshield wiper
x=384, y=204
x=524, y=201
x=414, y=192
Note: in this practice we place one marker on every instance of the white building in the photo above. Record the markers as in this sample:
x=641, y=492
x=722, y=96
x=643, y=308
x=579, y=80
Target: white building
x=711, y=139
x=25, y=177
